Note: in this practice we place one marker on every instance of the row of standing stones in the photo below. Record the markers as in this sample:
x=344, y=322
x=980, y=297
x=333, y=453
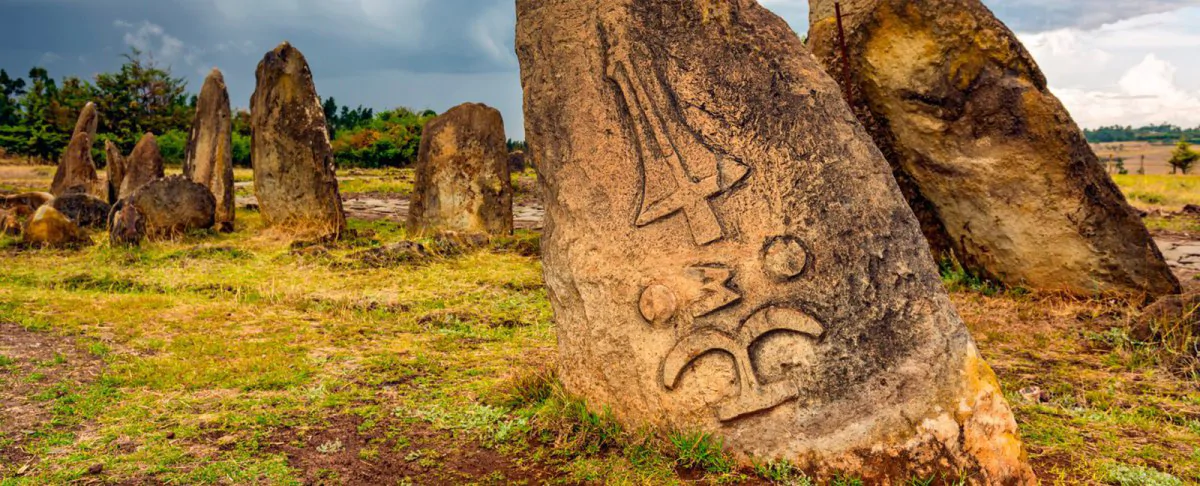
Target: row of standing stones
x=463, y=179
x=713, y=198
x=711, y=195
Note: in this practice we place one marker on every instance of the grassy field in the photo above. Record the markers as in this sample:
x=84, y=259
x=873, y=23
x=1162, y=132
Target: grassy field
x=233, y=359
x=1154, y=161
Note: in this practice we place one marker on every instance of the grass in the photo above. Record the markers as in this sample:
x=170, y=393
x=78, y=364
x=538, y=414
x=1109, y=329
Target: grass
x=1171, y=192
x=221, y=351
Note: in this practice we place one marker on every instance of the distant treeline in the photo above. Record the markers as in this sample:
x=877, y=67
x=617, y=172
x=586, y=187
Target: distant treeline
x=1164, y=134
x=37, y=116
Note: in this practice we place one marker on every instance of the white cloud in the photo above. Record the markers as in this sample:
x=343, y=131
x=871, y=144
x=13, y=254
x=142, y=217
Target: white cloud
x=153, y=40
x=1135, y=71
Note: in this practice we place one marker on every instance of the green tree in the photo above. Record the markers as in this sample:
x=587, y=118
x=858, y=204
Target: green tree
x=11, y=91
x=1183, y=158
x=141, y=97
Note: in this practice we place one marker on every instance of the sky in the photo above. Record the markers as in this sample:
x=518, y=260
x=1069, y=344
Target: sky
x=1129, y=62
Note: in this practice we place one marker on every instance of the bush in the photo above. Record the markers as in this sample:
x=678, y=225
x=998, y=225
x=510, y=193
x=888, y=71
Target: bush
x=173, y=146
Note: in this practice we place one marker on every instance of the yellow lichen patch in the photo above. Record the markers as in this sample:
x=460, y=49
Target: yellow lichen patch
x=719, y=11
x=900, y=54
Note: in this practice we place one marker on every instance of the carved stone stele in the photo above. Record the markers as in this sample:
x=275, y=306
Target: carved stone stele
x=1001, y=177
x=726, y=250
x=76, y=170
x=462, y=174
x=209, y=158
x=294, y=172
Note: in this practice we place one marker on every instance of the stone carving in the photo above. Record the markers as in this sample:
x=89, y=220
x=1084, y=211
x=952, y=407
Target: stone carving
x=753, y=395
x=691, y=192
x=1001, y=177
x=726, y=249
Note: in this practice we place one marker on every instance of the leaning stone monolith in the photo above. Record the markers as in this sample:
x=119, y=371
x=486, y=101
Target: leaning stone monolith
x=77, y=171
x=209, y=158
x=726, y=250
x=115, y=169
x=1001, y=177
x=462, y=175
x=294, y=173
x=143, y=166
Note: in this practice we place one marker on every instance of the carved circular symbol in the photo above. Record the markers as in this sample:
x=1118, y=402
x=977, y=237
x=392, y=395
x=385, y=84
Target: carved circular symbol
x=658, y=304
x=785, y=258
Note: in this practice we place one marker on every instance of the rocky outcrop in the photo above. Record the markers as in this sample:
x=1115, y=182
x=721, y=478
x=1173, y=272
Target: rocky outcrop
x=726, y=250
x=126, y=226
x=144, y=165
x=462, y=175
x=294, y=172
x=1001, y=177
x=209, y=158
x=49, y=228
x=83, y=209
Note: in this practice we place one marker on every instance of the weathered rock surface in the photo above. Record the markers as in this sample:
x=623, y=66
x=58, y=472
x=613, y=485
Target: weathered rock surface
x=294, y=172
x=51, y=229
x=726, y=249
x=144, y=165
x=1171, y=316
x=991, y=162
x=209, y=158
x=462, y=174
x=77, y=171
x=10, y=222
x=126, y=226
x=83, y=209
x=30, y=200
x=115, y=169
x=172, y=206
x=88, y=121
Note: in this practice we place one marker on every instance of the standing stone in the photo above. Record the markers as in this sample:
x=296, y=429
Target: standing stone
x=143, y=166
x=209, y=159
x=462, y=174
x=77, y=171
x=294, y=173
x=115, y=169
x=726, y=250
x=1001, y=177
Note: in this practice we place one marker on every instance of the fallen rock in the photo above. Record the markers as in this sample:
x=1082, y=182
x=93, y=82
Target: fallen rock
x=209, y=158
x=83, y=209
x=294, y=171
x=143, y=166
x=727, y=251
x=1191, y=210
x=391, y=255
x=29, y=200
x=462, y=176
x=173, y=206
x=51, y=229
x=115, y=169
x=991, y=162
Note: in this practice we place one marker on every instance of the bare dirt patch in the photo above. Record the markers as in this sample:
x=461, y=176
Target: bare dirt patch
x=32, y=366
x=346, y=452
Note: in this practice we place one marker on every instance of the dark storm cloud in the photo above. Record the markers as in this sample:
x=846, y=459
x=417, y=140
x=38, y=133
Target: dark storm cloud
x=380, y=53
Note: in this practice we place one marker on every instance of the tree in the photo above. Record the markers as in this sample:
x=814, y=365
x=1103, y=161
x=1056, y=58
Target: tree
x=1183, y=158
x=141, y=97
x=11, y=91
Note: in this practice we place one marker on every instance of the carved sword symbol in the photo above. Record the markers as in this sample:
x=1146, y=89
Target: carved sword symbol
x=692, y=194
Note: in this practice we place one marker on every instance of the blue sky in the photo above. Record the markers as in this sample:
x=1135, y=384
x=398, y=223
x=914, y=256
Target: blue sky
x=1111, y=61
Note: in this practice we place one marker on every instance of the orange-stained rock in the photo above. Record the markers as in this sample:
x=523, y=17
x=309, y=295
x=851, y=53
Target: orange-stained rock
x=993, y=165
x=727, y=251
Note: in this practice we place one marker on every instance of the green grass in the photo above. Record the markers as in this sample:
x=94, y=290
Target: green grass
x=1166, y=191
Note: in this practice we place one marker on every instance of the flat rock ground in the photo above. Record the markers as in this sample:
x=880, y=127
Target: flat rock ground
x=239, y=358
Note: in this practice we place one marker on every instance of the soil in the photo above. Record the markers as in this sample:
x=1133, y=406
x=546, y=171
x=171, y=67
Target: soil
x=52, y=360
x=419, y=454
